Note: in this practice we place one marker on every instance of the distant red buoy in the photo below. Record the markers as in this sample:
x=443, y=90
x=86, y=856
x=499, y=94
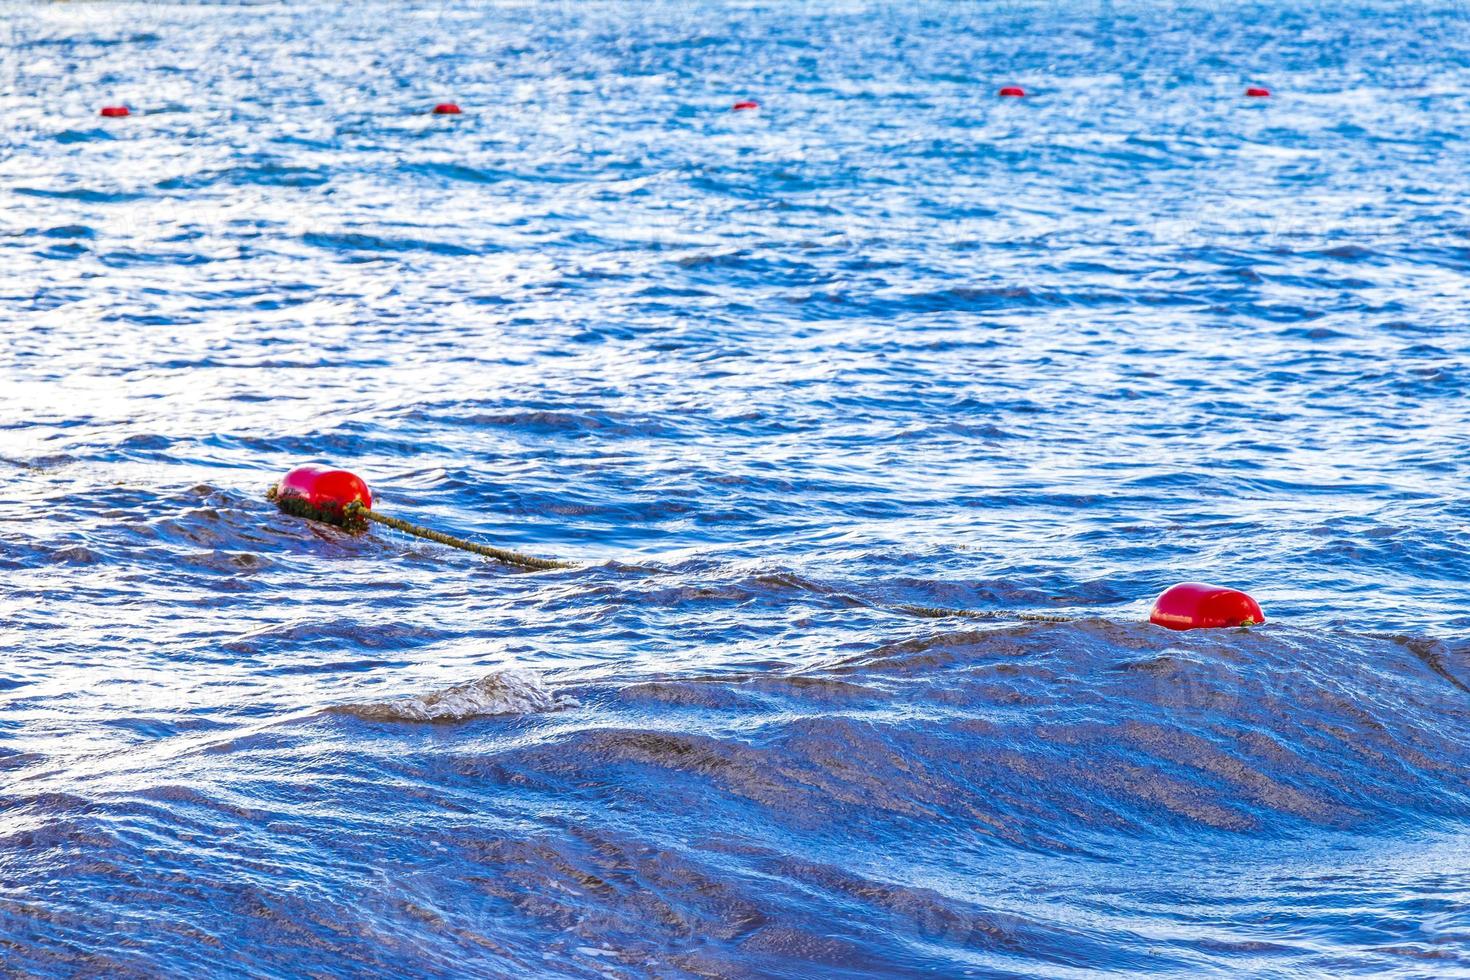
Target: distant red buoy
x=1193, y=606
x=1013, y=91
x=446, y=109
x=1257, y=93
x=745, y=104
x=114, y=111
x=321, y=493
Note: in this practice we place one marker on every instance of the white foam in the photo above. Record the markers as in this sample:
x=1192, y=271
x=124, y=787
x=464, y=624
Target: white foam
x=507, y=692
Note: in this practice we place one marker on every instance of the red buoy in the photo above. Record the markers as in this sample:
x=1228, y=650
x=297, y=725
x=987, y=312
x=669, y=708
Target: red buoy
x=1257, y=93
x=1193, y=606
x=321, y=493
x=745, y=104
x=446, y=109
x=1013, y=91
x=114, y=111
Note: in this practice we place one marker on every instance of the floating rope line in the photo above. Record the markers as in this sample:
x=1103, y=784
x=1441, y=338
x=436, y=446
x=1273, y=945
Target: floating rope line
x=930, y=612
x=357, y=510
x=946, y=612
x=940, y=612
x=341, y=498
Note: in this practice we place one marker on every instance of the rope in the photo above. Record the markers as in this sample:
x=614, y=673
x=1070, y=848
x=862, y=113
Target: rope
x=354, y=515
x=355, y=510
x=939, y=612
x=945, y=612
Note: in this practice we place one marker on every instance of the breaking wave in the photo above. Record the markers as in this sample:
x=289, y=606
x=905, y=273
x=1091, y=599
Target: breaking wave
x=505, y=692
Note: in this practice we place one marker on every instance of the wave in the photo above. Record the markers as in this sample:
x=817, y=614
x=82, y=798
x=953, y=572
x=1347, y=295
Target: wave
x=506, y=692
x=1048, y=737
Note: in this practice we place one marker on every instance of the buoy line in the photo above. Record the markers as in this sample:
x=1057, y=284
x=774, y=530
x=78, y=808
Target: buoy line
x=943, y=612
x=744, y=105
x=429, y=534
x=343, y=499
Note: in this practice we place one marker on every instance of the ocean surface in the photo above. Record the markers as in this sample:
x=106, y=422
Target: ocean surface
x=772, y=378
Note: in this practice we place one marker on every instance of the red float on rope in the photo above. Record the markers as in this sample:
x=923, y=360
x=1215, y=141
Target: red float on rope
x=1194, y=605
x=115, y=111
x=338, y=497
x=1257, y=93
x=745, y=104
x=446, y=109
x=313, y=490
x=1013, y=91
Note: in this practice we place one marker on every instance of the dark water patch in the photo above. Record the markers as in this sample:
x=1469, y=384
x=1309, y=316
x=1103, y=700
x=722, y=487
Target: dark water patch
x=460, y=172
x=83, y=194
x=326, y=632
x=262, y=173
x=358, y=242
x=70, y=232
x=577, y=425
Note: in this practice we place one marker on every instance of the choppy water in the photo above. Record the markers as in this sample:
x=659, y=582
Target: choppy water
x=887, y=341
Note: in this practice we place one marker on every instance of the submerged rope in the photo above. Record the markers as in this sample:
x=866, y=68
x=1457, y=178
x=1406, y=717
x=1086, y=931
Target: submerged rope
x=357, y=510
x=793, y=581
x=940, y=612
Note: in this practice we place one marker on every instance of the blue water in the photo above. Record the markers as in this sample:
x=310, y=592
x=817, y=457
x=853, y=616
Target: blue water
x=769, y=377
